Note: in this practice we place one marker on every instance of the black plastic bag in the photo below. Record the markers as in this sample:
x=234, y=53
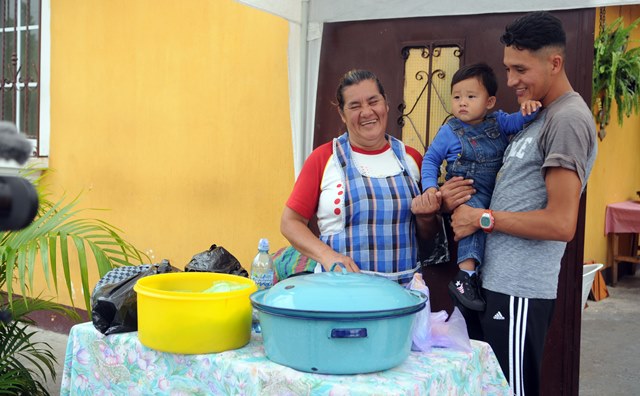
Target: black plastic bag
x=436, y=250
x=216, y=259
x=114, y=304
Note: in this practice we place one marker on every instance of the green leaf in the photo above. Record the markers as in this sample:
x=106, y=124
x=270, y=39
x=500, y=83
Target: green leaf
x=53, y=254
x=84, y=272
x=64, y=255
x=615, y=73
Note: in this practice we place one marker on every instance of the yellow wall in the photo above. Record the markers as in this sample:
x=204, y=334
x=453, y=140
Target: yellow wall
x=175, y=117
x=616, y=173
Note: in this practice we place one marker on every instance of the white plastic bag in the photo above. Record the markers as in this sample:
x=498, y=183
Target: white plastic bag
x=421, y=332
x=450, y=333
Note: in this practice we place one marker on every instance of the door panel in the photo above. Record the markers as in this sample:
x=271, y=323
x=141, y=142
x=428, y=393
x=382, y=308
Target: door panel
x=378, y=46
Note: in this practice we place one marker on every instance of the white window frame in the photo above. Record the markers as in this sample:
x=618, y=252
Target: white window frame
x=44, y=130
x=45, y=78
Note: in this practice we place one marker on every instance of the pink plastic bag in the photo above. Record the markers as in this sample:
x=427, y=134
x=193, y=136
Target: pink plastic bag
x=450, y=333
x=421, y=332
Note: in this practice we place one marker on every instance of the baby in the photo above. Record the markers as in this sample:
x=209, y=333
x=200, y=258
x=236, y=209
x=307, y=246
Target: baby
x=473, y=144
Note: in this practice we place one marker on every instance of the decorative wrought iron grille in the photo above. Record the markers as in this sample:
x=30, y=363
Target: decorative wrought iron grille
x=427, y=92
x=20, y=59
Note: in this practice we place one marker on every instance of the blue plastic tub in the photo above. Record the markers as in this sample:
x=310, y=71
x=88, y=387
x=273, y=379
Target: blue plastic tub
x=337, y=323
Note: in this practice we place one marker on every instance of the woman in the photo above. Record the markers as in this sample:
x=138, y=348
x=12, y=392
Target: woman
x=361, y=187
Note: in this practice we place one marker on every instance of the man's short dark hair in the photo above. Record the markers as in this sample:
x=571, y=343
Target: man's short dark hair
x=534, y=31
x=482, y=72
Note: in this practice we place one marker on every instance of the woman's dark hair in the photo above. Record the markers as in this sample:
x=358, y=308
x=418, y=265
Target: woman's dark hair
x=534, y=31
x=353, y=77
x=481, y=71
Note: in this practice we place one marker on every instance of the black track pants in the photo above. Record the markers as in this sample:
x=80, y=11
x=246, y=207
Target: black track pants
x=516, y=329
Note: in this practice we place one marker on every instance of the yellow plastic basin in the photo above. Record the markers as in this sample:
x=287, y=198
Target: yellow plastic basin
x=174, y=317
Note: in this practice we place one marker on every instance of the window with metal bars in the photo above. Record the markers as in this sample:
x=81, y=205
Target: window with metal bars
x=427, y=92
x=20, y=56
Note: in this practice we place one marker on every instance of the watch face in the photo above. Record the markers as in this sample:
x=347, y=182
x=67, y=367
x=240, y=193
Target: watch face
x=485, y=221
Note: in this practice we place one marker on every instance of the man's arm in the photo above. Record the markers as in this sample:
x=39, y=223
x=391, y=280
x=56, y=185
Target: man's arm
x=557, y=221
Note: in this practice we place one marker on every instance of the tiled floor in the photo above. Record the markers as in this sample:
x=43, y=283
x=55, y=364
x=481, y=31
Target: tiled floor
x=610, y=352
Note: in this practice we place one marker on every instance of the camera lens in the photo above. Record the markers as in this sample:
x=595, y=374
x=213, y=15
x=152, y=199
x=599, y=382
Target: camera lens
x=18, y=203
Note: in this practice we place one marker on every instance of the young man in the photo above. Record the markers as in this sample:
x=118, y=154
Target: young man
x=534, y=208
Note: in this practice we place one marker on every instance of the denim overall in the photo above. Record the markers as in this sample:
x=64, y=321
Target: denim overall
x=483, y=147
x=379, y=233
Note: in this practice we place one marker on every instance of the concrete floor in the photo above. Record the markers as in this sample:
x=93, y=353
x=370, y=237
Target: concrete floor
x=58, y=343
x=610, y=351
x=609, y=356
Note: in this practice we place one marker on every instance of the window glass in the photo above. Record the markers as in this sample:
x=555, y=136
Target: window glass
x=30, y=14
x=8, y=102
x=30, y=54
x=427, y=93
x=8, y=43
x=29, y=114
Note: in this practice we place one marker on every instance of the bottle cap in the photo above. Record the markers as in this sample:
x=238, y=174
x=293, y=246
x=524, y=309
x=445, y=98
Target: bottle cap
x=263, y=244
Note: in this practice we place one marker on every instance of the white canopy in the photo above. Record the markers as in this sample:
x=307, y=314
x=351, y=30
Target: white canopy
x=306, y=18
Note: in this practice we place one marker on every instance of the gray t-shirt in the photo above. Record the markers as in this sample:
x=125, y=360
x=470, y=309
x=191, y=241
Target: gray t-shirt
x=563, y=135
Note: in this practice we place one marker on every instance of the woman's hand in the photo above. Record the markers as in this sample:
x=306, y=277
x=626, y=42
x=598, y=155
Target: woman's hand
x=335, y=257
x=465, y=221
x=295, y=228
x=454, y=192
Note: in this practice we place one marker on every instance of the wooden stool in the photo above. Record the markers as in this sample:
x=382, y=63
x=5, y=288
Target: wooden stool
x=622, y=218
x=628, y=255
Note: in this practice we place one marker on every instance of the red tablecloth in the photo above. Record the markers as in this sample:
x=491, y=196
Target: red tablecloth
x=622, y=217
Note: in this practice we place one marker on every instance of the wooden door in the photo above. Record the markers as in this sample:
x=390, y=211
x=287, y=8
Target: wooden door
x=378, y=46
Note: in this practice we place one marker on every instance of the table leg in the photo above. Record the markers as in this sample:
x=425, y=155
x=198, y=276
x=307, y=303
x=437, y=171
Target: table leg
x=635, y=252
x=615, y=261
x=625, y=254
x=610, y=251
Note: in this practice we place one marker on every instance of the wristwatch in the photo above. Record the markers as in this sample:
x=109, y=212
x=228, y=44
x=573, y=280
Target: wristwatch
x=486, y=221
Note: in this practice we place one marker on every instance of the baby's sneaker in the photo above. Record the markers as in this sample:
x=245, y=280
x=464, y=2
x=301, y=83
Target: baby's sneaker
x=464, y=288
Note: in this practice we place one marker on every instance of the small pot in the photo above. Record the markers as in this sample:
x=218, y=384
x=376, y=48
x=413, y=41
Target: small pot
x=337, y=322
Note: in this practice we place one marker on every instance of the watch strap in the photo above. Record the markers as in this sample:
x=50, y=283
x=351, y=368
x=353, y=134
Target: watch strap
x=488, y=214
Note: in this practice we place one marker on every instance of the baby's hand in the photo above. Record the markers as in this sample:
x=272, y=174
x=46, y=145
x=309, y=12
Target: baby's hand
x=530, y=106
x=426, y=204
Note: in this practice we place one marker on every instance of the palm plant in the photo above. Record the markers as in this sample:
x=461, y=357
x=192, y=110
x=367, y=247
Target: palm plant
x=22, y=253
x=25, y=363
x=616, y=74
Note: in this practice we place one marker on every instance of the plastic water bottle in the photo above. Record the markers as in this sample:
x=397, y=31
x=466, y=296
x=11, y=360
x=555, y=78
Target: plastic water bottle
x=262, y=274
x=262, y=266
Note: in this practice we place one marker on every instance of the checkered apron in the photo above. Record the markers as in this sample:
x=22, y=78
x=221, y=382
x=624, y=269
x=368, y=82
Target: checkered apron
x=379, y=233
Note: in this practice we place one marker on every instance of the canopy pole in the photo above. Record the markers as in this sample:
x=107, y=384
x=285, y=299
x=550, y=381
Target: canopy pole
x=303, y=135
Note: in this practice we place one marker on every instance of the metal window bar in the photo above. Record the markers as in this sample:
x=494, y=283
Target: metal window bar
x=20, y=90
x=429, y=108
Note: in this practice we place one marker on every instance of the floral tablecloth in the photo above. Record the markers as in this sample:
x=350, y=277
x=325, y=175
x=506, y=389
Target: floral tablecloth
x=119, y=365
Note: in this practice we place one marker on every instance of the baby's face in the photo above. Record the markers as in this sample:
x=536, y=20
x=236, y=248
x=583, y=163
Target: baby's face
x=470, y=101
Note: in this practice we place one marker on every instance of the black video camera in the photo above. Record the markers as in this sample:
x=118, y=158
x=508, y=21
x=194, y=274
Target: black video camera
x=18, y=197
